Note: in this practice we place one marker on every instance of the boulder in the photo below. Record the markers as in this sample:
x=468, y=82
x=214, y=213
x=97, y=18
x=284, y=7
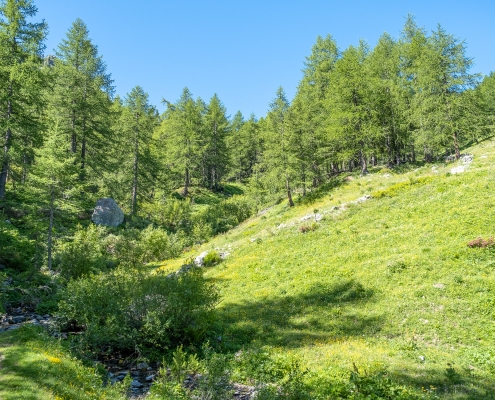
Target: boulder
x=200, y=260
x=107, y=213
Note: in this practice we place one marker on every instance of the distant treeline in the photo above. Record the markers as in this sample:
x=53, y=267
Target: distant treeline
x=62, y=127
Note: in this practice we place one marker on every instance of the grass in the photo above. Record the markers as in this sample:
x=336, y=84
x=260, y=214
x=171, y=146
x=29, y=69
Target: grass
x=34, y=366
x=388, y=283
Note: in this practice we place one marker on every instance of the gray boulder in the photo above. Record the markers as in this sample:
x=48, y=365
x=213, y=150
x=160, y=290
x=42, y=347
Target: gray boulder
x=107, y=213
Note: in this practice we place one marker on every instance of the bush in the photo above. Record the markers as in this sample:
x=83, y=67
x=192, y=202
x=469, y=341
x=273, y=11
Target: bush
x=211, y=259
x=83, y=255
x=481, y=243
x=157, y=245
x=127, y=309
x=17, y=251
x=225, y=215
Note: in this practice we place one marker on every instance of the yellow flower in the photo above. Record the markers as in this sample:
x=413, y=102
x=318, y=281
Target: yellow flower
x=54, y=360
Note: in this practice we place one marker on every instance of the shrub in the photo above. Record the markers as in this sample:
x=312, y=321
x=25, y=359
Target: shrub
x=481, y=243
x=127, y=309
x=83, y=255
x=211, y=259
x=157, y=245
x=308, y=228
x=17, y=251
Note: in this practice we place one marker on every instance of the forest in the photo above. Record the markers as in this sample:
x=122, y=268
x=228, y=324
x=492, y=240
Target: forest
x=193, y=172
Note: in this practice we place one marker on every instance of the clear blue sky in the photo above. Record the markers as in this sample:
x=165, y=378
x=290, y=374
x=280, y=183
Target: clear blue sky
x=245, y=50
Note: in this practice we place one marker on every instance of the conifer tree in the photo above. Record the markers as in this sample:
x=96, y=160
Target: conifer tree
x=181, y=131
x=21, y=83
x=278, y=158
x=82, y=97
x=54, y=177
x=135, y=126
x=216, y=129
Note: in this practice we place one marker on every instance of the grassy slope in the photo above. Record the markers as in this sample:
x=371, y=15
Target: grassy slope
x=360, y=288
x=34, y=366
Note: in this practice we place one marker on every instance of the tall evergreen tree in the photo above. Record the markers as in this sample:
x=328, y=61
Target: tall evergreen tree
x=53, y=178
x=136, y=124
x=216, y=129
x=21, y=83
x=181, y=131
x=82, y=96
x=278, y=158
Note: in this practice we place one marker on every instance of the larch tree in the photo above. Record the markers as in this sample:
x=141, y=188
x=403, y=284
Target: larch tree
x=136, y=124
x=81, y=97
x=215, y=132
x=278, y=158
x=21, y=84
x=54, y=178
x=181, y=132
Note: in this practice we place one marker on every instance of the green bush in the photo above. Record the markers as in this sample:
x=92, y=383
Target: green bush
x=158, y=245
x=128, y=309
x=212, y=258
x=84, y=255
x=17, y=251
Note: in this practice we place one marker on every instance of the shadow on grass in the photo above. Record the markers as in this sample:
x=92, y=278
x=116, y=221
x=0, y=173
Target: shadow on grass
x=30, y=368
x=451, y=383
x=323, y=190
x=321, y=314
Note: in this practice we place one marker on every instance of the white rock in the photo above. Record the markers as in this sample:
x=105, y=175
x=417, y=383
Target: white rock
x=200, y=260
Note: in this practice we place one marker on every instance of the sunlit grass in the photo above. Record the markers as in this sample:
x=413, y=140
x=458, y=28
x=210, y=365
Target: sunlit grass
x=386, y=283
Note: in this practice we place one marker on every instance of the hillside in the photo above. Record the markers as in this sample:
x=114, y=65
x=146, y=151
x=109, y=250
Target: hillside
x=387, y=284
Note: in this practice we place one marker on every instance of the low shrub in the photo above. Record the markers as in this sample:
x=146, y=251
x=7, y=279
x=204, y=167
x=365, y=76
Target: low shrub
x=212, y=258
x=128, y=309
x=83, y=255
x=308, y=228
x=481, y=243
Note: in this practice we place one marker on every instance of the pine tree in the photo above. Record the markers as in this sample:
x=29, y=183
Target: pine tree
x=21, y=83
x=135, y=127
x=216, y=129
x=54, y=178
x=82, y=97
x=350, y=131
x=181, y=132
x=278, y=158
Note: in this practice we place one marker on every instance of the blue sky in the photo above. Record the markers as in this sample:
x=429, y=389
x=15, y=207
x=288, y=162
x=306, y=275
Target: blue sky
x=245, y=50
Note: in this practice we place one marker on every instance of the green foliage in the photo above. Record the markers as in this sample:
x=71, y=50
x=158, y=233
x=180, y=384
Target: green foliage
x=397, y=188
x=158, y=245
x=225, y=215
x=17, y=250
x=212, y=258
x=124, y=309
x=83, y=255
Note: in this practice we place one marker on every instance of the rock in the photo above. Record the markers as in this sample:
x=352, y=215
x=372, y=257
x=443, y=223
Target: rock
x=107, y=213
x=142, y=366
x=200, y=260
x=422, y=358
x=7, y=221
x=439, y=285
x=136, y=384
x=467, y=158
x=150, y=378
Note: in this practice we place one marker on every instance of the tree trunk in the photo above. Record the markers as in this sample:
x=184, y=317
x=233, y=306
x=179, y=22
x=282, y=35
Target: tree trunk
x=50, y=227
x=456, y=145
x=364, y=164
x=136, y=166
x=185, y=192
x=8, y=138
x=289, y=194
x=413, y=154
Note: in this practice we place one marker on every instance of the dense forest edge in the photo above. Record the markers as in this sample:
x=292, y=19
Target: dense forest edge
x=338, y=247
